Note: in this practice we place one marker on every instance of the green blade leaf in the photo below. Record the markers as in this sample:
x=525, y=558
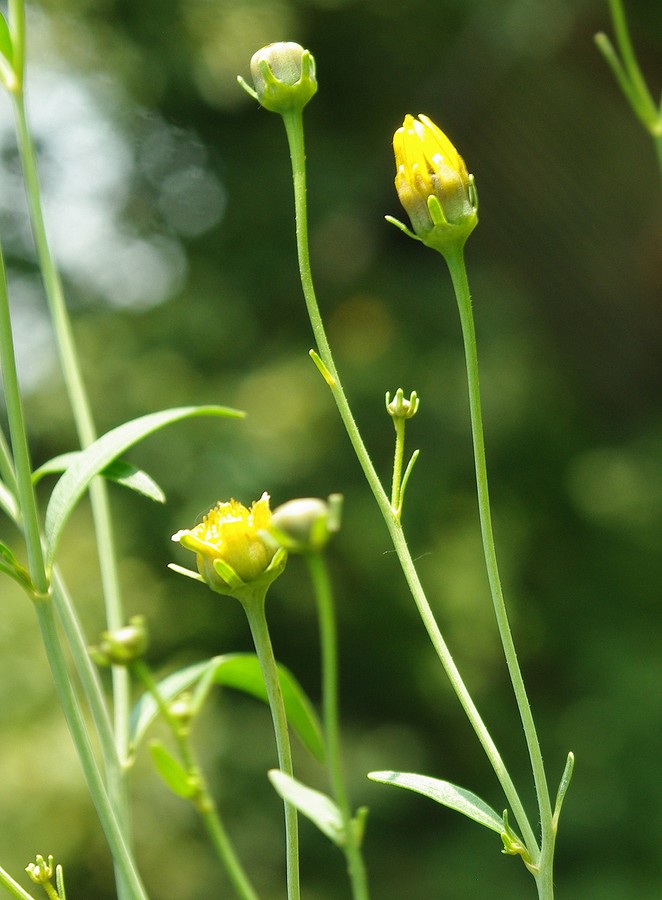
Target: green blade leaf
x=242, y=672
x=172, y=771
x=119, y=471
x=95, y=458
x=6, y=46
x=318, y=807
x=444, y=792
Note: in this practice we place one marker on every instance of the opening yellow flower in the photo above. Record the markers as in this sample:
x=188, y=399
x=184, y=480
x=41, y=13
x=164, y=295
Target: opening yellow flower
x=433, y=184
x=232, y=546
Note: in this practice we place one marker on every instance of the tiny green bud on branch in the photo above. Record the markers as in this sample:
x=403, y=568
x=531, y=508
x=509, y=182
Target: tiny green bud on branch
x=399, y=408
x=122, y=646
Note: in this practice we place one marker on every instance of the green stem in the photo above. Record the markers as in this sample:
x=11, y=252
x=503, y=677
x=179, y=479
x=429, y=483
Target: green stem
x=122, y=858
x=257, y=621
x=329, y=645
x=203, y=801
x=21, y=454
x=294, y=128
x=644, y=104
x=79, y=403
x=396, y=487
x=456, y=266
x=13, y=887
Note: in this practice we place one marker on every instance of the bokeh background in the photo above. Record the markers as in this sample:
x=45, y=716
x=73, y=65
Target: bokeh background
x=169, y=205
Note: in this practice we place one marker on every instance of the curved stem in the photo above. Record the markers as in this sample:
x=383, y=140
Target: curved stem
x=458, y=274
x=13, y=887
x=329, y=644
x=294, y=128
x=257, y=621
x=202, y=800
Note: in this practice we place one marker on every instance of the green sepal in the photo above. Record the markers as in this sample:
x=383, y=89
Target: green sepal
x=242, y=672
x=119, y=471
x=450, y=795
x=172, y=771
x=316, y=806
x=403, y=228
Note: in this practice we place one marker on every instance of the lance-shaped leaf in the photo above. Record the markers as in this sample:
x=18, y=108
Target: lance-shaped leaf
x=242, y=672
x=95, y=458
x=120, y=471
x=318, y=807
x=172, y=771
x=446, y=793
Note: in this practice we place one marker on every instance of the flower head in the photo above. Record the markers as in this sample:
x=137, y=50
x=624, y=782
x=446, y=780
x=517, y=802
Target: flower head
x=433, y=184
x=233, y=548
x=284, y=77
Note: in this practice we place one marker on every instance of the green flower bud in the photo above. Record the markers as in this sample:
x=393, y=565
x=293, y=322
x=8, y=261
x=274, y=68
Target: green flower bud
x=399, y=408
x=41, y=871
x=305, y=525
x=122, y=646
x=284, y=77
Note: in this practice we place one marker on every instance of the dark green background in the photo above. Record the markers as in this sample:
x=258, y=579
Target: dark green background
x=565, y=274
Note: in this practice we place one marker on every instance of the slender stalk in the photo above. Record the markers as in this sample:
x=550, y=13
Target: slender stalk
x=124, y=864
x=458, y=274
x=396, y=486
x=329, y=644
x=294, y=128
x=257, y=621
x=21, y=454
x=202, y=800
x=80, y=407
x=13, y=887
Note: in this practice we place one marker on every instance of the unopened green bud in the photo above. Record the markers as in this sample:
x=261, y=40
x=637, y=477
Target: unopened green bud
x=399, y=408
x=305, y=525
x=41, y=871
x=123, y=645
x=283, y=75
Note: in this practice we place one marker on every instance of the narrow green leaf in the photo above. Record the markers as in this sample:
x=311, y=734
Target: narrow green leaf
x=318, y=807
x=563, y=786
x=444, y=792
x=120, y=471
x=6, y=46
x=171, y=771
x=95, y=458
x=8, y=502
x=242, y=672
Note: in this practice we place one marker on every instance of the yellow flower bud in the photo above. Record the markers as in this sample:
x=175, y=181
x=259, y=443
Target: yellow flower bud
x=232, y=546
x=433, y=184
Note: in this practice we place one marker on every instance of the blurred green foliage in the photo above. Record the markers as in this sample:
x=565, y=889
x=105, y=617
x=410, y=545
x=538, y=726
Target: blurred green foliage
x=170, y=209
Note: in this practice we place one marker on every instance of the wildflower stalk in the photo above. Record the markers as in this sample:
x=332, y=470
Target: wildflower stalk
x=201, y=799
x=254, y=607
x=628, y=75
x=457, y=269
x=13, y=887
x=81, y=411
x=294, y=128
x=328, y=641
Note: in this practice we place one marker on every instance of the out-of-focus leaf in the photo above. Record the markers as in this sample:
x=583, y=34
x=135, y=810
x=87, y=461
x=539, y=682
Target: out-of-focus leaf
x=119, y=471
x=6, y=46
x=242, y=672
x=8, y=502
x=446, y=793
x=171, y=771
x=95, y=458
x=318, y=807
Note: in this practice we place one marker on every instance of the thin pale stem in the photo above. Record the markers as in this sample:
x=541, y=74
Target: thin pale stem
x=645, y=106
x=294, y=129
x=457, y=270
x=13, y=887
x=203, y=801
x=122, y=857
x=329, y=647
x=257, y=621
x=396, y=487
x=80, y=407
